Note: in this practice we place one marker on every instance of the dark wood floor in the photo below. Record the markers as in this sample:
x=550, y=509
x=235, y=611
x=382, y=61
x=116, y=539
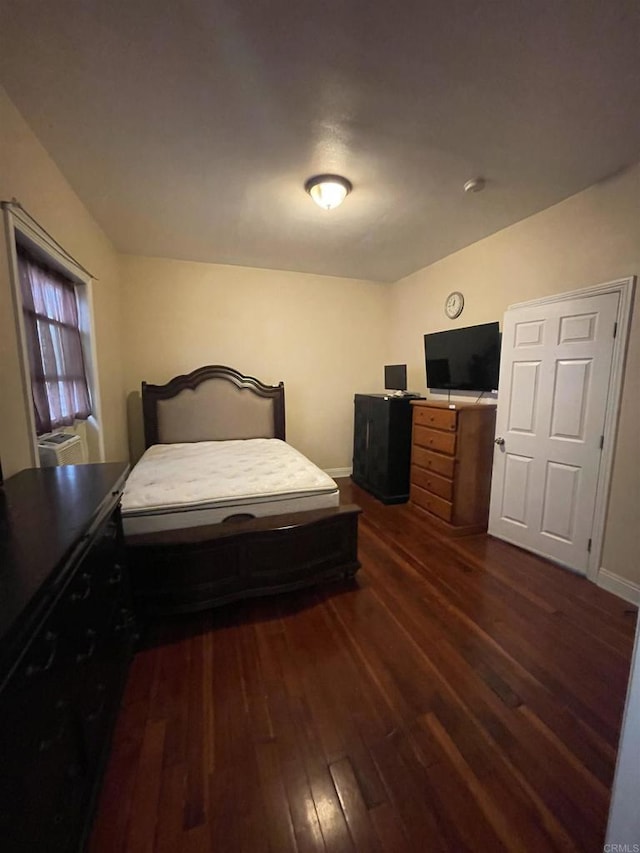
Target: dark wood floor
x=458, y=696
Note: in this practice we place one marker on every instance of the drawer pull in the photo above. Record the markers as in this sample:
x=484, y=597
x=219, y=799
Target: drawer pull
x=51, y=644
x=83, y=594
x=56, y=737
x=116, y=577
x=101, y=690
x=90, y=636
x=125, y=621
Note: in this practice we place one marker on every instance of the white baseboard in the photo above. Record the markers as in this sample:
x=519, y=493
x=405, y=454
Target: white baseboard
x=338, y=472
x=621, y=587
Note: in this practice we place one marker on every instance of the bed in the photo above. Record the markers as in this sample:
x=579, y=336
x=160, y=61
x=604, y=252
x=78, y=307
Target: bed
x=220, y=507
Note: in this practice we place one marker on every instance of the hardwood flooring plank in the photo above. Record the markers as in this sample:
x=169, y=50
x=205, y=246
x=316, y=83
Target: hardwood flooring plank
x=354, y=807
x=332, y=682
x=285, y=734
x=308, y=778
x=172, y=683
x=196, y=793
x=388, y=829
x=229, y=750
x=278, y=823
x=114, y=808
x=254, y=689
x=169, y=826
x=143, y=816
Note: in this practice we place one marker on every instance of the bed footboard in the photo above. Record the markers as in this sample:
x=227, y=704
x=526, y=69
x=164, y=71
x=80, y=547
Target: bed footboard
x=181, y=571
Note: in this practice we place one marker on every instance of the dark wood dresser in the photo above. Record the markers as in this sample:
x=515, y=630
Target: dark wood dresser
x=66, y=638
x=382, y=446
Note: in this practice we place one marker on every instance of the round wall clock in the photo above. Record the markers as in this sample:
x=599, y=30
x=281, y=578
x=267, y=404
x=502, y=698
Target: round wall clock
x=453, y=305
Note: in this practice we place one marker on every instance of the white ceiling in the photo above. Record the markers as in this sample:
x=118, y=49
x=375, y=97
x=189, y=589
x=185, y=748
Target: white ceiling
x=189, y=128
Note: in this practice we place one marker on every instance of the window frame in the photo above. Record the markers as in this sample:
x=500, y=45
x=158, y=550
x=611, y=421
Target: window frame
x=21, y=229
x=63, y=334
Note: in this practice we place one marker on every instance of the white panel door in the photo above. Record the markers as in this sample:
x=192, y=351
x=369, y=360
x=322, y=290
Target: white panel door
x=554, y=380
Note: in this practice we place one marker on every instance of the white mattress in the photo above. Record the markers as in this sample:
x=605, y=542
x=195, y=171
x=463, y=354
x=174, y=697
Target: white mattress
x=190, y=485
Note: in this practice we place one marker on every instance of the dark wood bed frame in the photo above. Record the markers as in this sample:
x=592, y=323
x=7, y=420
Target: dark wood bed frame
x=179, y=571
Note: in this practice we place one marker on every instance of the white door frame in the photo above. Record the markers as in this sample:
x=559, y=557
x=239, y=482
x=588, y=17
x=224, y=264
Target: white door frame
x=625, y=288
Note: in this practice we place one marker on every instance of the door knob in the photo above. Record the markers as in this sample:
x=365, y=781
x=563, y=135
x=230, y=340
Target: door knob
x=499, y=441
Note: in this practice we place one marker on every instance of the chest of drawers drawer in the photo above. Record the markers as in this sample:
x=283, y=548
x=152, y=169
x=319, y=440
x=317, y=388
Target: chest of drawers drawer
x=444, y=419
x=434, y=483
x=432, y=503
x=436, y=462
x=431, y=439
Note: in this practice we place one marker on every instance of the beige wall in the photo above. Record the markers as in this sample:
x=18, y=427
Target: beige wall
x=588, y=239
x=28, y=174
x=325, y=337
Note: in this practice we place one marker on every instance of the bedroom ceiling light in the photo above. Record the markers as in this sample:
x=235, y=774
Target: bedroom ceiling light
x=475, y=185
x=328, y=191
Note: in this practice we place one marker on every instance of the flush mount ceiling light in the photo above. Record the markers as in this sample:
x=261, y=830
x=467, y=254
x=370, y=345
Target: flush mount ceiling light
x=328, y=191
x=475, y=185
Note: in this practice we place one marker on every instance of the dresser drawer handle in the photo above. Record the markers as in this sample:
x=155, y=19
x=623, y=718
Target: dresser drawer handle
x=101, y=691
x=83, y=594
x=90, y=636
x=56, y=737
x=51, y=644
x=125, y=621
x=116, y=576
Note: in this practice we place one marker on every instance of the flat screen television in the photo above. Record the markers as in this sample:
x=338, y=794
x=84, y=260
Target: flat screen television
x=395, y=377
x=466, y=359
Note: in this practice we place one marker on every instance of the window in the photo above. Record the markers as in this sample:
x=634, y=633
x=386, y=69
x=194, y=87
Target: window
x=52, y=330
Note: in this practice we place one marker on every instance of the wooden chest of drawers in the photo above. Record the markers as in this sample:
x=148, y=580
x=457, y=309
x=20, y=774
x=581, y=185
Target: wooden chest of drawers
x=451, y=460
x=66, y=636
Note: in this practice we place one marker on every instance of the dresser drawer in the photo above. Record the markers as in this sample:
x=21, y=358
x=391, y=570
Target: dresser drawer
x=438, y=506
x=435, y=418
x=443, y=465
x=432, y=482
x=443, y=442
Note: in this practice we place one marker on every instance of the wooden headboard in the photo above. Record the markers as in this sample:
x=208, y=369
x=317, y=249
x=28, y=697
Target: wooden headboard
x=213, y=403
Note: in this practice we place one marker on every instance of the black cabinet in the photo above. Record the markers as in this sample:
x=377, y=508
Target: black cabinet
x=66, y=636
x=382, y=446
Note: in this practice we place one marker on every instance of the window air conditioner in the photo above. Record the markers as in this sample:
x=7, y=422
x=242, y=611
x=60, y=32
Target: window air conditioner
x=60, y=448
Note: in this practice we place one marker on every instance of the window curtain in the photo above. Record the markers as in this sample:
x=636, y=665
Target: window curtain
x=58, y=375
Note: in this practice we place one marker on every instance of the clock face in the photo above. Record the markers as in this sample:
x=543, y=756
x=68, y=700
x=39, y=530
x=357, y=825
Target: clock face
x=453, y=304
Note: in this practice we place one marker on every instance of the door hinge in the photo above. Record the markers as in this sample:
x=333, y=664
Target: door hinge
x=601, y=442
x=615, y=329
x=589, y=546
